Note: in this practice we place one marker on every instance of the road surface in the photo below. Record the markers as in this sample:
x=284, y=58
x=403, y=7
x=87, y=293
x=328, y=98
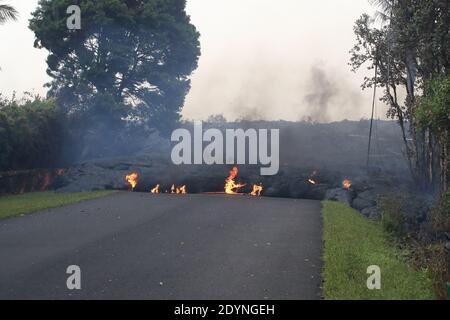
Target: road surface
x=143, y=246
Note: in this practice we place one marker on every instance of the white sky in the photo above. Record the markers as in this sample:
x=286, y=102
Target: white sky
x=257, y=58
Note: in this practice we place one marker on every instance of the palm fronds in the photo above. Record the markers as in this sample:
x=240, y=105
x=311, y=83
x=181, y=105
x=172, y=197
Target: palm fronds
x=385, y=7
x=7, y=12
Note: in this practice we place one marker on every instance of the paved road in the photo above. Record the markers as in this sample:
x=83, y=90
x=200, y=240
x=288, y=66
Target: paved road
x=143, y=246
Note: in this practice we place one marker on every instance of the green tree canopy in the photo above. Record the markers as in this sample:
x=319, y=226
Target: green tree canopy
x=137, y=54
x=433, y=110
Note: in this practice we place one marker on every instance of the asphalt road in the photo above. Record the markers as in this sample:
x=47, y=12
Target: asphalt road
x=142, y=246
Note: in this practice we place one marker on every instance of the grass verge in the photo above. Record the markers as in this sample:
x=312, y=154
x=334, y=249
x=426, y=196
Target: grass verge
x=353, y=243
x=14, y=205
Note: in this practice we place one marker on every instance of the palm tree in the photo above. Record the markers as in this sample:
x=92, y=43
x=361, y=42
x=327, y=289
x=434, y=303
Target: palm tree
x=7, y=12
x=385, y=13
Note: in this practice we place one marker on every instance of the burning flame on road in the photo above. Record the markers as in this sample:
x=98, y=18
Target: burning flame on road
x=132, y=179
x=181, y=190
x=173, y=190
x=155, y=189
x=312, y=179
x=256, y=192
x=230, y=184
x=346, y=184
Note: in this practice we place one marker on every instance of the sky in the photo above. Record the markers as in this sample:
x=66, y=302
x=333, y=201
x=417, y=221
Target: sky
x=261, y=59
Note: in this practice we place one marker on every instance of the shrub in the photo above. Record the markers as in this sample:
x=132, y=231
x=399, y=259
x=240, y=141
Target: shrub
x=31, y=133
x=440, y=215
x=434, y=258
x=392, y=218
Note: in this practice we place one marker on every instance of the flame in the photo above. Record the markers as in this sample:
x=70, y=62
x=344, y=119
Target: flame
x=181, y=190
x=230, y=187
x=311, y=177
x=155, y=189
x=256, y=190
x=346, y=184
x=132, y=179
x=60, y=171
x=230, y=184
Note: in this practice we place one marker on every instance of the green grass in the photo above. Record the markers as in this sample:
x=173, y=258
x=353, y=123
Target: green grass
x=14, y=205
x=352, y=243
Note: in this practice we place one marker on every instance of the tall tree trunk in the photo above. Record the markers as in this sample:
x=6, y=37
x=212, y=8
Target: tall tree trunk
x=445, y=162
x=418, y=134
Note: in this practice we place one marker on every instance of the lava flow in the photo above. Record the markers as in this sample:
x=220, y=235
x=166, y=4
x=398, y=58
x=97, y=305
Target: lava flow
x=132, y=179
x=230, y=184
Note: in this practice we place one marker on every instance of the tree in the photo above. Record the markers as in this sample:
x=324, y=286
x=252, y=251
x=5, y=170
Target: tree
x=409, y=48
x=433, y=113
x=138, y=54
x=7, y=12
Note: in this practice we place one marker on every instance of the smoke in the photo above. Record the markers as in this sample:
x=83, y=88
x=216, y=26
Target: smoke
x=262, y=64
x=322, y=91
x=265, y=90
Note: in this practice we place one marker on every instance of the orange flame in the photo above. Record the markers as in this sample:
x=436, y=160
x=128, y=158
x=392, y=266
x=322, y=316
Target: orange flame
x=311, y=177
x=230, y=184
x=346, y=184
x=132, y=179
x=256, y=190
x=155, y=189
x=181, y=190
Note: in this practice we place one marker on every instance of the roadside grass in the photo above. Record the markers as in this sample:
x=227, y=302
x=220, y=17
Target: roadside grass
x=353, y=243
x=14, y=205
